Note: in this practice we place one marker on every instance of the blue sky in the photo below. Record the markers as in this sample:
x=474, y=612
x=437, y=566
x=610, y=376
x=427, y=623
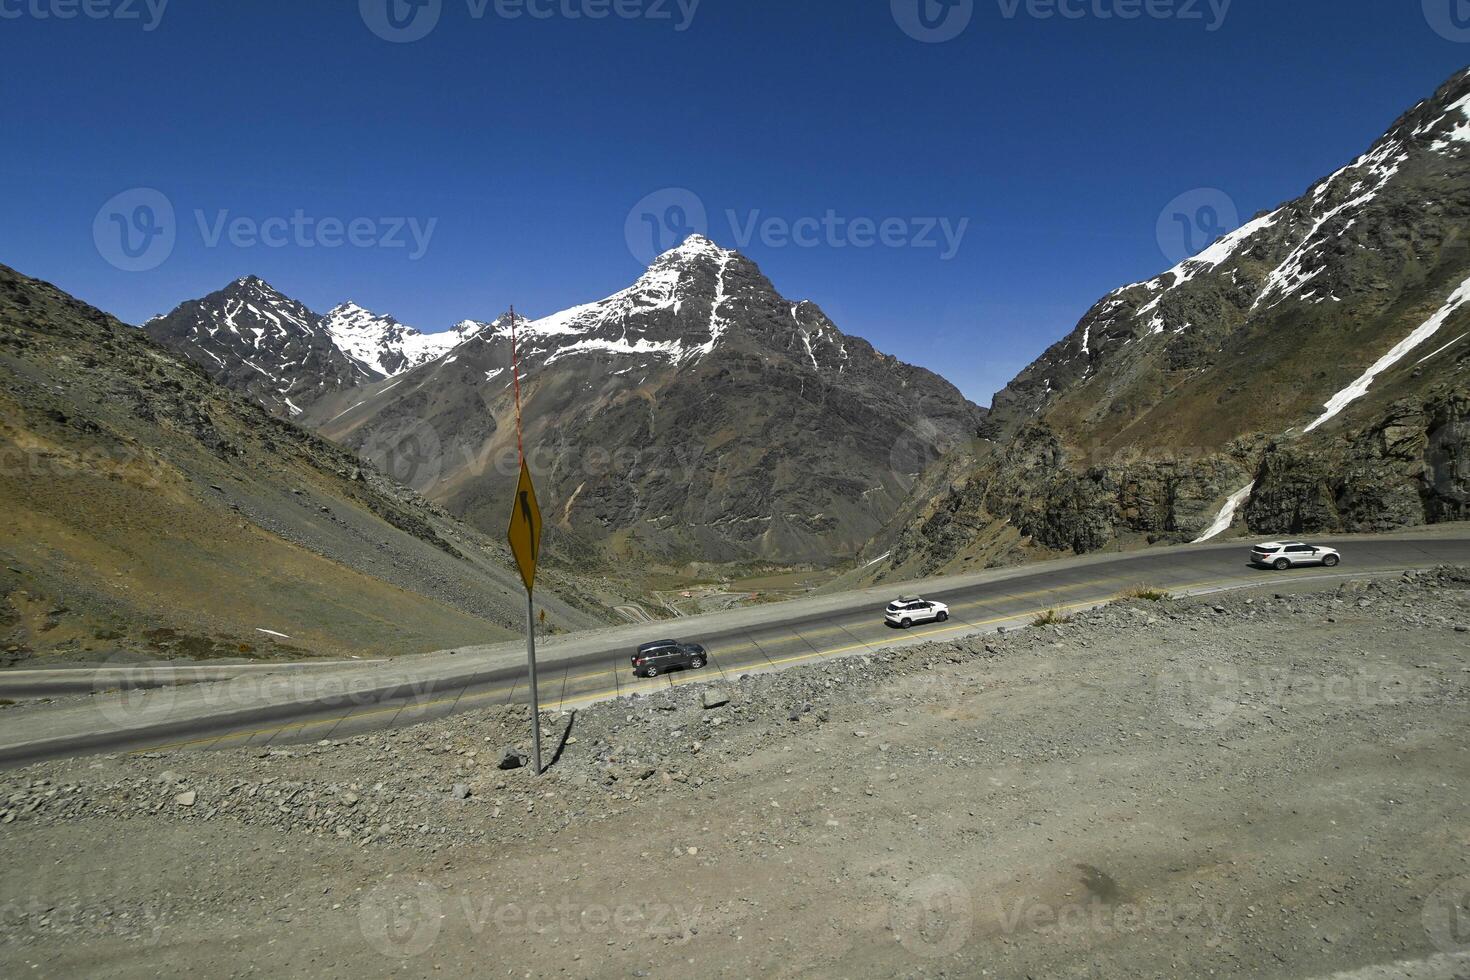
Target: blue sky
x=520, y=147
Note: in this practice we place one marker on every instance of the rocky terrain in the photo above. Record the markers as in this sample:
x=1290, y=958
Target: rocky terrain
x=1259, y=784
x=150, y=513
x=268, y=347
x=1271, y=365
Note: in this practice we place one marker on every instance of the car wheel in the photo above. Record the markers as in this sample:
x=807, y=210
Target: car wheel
x=697, y=663
x=905, y=623
x=1331, y=561
x=942, y=617
x=1282, y=564
x=651, y=672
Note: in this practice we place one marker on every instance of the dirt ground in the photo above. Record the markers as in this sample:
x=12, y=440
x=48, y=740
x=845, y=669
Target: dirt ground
x=1252, y=785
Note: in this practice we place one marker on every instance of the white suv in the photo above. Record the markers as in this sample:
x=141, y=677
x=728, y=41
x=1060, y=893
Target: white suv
x=1282, y=555
x=905, y=611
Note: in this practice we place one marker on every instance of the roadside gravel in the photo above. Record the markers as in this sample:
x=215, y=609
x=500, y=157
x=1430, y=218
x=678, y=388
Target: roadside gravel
x=1256, y=784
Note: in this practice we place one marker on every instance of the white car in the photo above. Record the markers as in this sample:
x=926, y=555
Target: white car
x=1282, y=555
x=907, y=610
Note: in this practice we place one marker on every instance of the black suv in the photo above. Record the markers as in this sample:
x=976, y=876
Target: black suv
x=662, y=656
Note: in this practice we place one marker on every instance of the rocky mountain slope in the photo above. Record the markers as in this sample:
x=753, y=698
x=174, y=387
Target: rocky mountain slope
x=697, y=414
x=1302, y=374
x=146, y=511
x=271, y=348
x=266, y=346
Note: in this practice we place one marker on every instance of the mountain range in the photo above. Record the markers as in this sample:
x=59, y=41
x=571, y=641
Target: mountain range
x=696, y=415
x=277, y=352
x=1304, y=373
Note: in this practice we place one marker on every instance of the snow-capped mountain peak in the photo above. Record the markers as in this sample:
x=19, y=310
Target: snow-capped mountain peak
x=381, y=343
x=254, y=310
x=693, y=247
x=253, y=338
x=674, y=312
x=465, y=329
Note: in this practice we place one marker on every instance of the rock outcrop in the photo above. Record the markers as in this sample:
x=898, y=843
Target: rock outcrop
x=1410, y=467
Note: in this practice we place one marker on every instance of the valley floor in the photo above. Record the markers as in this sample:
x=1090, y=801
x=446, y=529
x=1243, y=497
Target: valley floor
x=1259, y=785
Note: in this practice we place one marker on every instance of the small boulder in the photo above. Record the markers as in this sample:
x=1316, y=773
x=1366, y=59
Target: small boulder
x=512, y=758
x=186, y=798
x=461, y=791
x=715, y=697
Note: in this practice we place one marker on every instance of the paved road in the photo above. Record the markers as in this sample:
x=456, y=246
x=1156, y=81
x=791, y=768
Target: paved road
x=587, y=667
x=29, y=683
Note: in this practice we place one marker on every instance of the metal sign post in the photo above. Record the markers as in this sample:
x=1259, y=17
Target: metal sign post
x=524, y=536
x=535, y=697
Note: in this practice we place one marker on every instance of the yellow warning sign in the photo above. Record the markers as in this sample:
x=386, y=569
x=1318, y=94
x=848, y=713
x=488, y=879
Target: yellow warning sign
x=524, y=533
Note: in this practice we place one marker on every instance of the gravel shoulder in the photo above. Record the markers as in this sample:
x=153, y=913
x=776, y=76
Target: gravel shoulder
x=1260, y=785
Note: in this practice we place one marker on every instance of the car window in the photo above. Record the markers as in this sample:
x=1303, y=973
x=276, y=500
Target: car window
x=1301, y=549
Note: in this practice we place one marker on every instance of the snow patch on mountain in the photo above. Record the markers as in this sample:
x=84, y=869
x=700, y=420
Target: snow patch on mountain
x=1458, y=116
x=716, y=322
x=1428, y=329
x=1226, y=517
x=671, y=349
x=1441, y=350
x=1207, y=261
x=1369, y=174
x=1355, y=185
